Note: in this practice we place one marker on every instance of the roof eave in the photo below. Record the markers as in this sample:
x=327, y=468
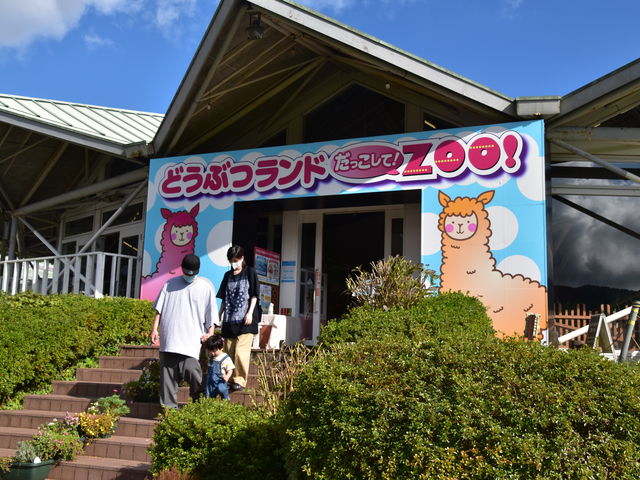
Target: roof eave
x=369, y=45
x=103, y=145
x=190, y=86
x=228, y=12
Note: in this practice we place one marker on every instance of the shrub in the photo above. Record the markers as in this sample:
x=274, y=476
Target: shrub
x=448, y=314
x=147, y=387
x=113, y=405
x=392, y=282
x=67, y=329
x=277, y=372
x=56, y=441
x=461, y=408
x=217, y=439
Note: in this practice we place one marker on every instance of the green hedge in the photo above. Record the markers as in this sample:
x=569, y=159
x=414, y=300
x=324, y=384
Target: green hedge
x=432, y=405
x=219, y=440
x=41, y=335
x=448, y=314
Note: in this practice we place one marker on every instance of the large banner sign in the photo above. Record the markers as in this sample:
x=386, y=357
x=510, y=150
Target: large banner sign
x=361, y=162
x=483, y=210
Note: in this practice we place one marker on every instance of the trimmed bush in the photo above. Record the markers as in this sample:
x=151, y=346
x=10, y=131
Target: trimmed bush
x=448, y=314
x=217, y=439
x=41, y=335
x=461, y=406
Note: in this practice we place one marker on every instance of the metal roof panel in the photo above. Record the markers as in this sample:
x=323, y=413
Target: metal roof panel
x=115, y=125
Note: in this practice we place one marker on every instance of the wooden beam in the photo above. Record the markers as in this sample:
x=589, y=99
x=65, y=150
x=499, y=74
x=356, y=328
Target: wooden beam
x=255, y=80
x=295, y=94
x=265, y=53
x=45, y=172
x=253, y=104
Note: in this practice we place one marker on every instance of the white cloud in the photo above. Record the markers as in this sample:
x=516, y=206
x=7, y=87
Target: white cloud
x=23, y=22
x=510, y=7
x=94, y=41
x=168, y=12
x=340, y=5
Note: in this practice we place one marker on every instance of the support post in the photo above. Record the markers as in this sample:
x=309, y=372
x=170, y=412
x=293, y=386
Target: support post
x=629, y=333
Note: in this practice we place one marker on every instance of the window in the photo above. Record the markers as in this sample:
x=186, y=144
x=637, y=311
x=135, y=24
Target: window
x=133, y=213
x=78, y=226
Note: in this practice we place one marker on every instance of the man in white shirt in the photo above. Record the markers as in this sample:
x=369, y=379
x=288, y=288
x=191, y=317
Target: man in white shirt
x=187, y=311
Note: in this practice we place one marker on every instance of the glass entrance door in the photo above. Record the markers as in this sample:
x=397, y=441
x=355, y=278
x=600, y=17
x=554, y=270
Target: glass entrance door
x=311, y=298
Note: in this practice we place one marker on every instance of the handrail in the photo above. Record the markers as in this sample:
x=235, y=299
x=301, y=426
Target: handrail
x=581, y=331
x=92, y=273
x=69, y=255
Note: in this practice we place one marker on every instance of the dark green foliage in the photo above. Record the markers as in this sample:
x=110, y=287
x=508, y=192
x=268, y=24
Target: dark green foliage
x=448, y=314
x=147, y=387
x=41, y=335
x=219, y=440
x=441, y=399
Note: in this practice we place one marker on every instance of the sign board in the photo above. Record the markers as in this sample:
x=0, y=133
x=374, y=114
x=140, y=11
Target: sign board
x=482, y=218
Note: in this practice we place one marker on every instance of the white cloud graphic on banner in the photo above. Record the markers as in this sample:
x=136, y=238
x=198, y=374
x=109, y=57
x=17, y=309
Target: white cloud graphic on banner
x=504, y=227
x=431, y=236
x=219, y=241
x=519, y=264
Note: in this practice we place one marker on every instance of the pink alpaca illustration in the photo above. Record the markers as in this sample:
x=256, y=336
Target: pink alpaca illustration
x=178, y=239
x=468, y=266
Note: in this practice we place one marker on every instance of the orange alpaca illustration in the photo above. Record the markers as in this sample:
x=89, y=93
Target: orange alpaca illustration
x=468, y=266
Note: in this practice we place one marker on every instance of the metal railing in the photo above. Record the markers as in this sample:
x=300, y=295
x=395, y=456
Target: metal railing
x=95, y=274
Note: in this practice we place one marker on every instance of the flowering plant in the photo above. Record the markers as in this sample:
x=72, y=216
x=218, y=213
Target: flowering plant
x=95, y=425
x=57, y=441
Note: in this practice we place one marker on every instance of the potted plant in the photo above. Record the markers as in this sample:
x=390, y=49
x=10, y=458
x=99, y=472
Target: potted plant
x=27, y=463
x=58, y=440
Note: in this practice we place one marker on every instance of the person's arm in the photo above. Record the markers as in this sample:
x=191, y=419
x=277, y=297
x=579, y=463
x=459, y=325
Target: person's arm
x=227, y=373
x=248, y=318
x=155, y=338
x=253, y=294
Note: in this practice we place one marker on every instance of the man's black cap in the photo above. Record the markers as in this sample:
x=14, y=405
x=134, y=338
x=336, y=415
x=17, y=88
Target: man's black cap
x=191, y=264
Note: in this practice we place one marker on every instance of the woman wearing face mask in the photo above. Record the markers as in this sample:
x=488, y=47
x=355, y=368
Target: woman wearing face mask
x=240, y=314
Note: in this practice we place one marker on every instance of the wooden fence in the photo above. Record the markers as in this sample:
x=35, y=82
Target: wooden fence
x=566, y=321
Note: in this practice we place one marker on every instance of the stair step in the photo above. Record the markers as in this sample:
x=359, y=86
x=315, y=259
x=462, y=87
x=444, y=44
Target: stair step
x=125, y=448
x=107, y=375
x=86, y=467
x=32, y=419
x=124, y=363
x=145, y=351
x=85, y=389
x=58, y=403
x=10, y=436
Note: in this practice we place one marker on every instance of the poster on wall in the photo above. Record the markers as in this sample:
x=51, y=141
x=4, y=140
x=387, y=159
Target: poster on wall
x=482, y=225
x=267, y=265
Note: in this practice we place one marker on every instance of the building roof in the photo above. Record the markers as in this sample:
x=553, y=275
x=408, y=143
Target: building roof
x=110, y=129
x=231, y=77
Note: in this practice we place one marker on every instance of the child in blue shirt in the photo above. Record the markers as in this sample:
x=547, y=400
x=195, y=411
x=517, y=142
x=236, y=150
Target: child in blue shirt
x=220, y=369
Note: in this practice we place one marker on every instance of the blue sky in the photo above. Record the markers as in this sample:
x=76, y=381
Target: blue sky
x=133, y=53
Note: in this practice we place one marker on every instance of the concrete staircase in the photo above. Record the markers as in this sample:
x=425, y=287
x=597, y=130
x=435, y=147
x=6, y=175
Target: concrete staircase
x=123, y=456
